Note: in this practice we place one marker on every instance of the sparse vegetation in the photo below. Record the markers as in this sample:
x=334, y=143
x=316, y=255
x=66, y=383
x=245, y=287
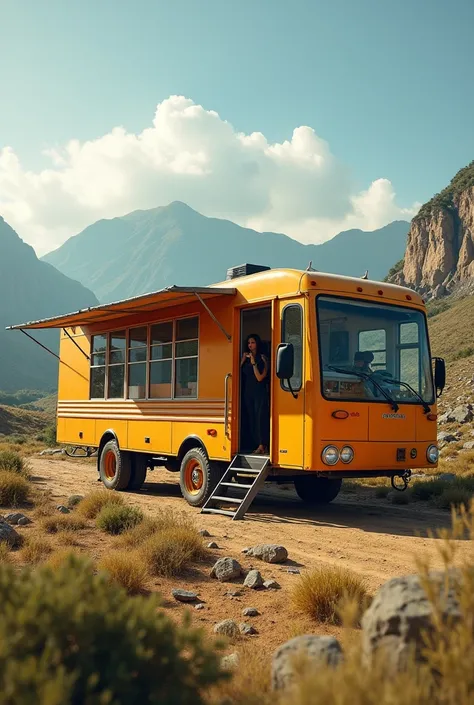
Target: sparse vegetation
x=445, y=199
x=433, y=308
x=165, y=520
x=321, y=592
x=64, y=555
x=36, y=549
x=399, y=498
x=454, y=497
x=114, y=519
x=48, y=436
x=425, y=490
x=169, y=551
x=464, y=352
x=63, y=522
x=11, y=461
x=93, y=502
x=4, y=553
x=397, y=267
x=382, y=491
x=14, y=489
x=126, y=568
x=98, y=640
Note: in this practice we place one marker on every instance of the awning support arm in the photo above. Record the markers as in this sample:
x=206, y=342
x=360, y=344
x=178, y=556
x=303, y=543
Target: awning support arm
x=40, y=344
x=199, y=297
x=77, y=346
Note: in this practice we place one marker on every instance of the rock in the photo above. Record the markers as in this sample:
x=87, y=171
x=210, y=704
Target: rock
x=204, y=532
x=234, y=593
x=295, y=571
x=184, y=595
x=247, y=629
x=468, y=445
x=74, y=500
x=461, y=414
x=8, y=535
x=226, y=569
x=270, y=553
x=400, y=614
x=271, y=585
x=250, y=612
x=15, y=517
x=199, y=606
x=227, y=628
x=318, y=650
x=230, y=661
x=253, y=580
x=445, y=437
x=212, y=544
x=64, y=510
x=245, y=550
x=24, y=521
x=447, y=476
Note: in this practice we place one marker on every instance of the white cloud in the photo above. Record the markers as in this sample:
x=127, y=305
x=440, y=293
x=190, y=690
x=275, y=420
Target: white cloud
x=192, y=155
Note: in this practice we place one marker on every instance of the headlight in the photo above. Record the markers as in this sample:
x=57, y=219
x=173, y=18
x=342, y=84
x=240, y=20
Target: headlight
x=347, y=454
x=432, y=454
x=330, y=455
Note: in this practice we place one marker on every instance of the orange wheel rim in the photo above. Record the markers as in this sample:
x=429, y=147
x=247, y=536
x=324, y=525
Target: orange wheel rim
x=110, y=465
x=193, y=476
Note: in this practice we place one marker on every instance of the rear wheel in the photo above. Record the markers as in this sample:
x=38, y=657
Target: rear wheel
x=198, y=477
x=114, y=466
x=317, y=490
x=138, y=473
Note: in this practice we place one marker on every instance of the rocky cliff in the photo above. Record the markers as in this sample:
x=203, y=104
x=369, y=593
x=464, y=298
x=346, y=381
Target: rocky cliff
x=439, y=258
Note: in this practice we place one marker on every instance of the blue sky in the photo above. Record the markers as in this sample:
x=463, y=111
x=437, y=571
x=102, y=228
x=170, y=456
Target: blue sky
x=387, y=84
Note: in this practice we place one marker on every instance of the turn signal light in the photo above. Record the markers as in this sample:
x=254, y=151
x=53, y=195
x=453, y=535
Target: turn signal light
x=432, y=417
x=212, y=432
x=340, y=414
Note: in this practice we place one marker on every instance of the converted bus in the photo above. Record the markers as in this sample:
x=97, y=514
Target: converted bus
x=154, y=381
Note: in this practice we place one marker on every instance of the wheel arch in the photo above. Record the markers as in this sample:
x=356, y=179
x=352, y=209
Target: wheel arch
x=190, y=442
x=107, y=436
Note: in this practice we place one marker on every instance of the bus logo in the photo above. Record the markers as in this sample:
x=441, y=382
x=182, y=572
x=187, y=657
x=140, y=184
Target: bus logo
x=393, y=416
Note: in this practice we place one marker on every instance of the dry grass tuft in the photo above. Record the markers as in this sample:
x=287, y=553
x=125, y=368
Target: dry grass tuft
x=250, y=682
x=11, y=460
x=57, y=558
x=169, y=551
x=44, y=506
x=36, y=549
x=165, y=520
x=14, y=489
x=67, y=538
x=114, y=519
x=4, y=553
x=126, y=568
x=321, y=593
x=94, y=502
x=63, y=522
x=462, y=465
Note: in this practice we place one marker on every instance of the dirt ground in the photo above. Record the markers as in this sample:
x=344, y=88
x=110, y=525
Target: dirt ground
x=370, y=536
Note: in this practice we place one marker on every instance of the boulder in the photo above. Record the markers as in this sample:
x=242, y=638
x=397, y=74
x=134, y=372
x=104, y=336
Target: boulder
x=64, y=510
x=204, y=532
x=250, y=612
x=212, y=544
x=230, y=661
x=8, y=535
x=317, y=650
x=184, y=595
x=401, y=613
x=271, y=585
x=247, y=629
x=270, y=553
x=445, y=437
x=226, y=569
x=14, y=518
x=199, y=606
x=24, y=521
x=468, y=445
x=461, y=414
x=227, y=628
x=254, y=579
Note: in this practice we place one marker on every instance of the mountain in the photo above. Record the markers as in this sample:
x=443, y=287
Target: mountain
x=148, y=250
x=31, y=289
x=439, y=258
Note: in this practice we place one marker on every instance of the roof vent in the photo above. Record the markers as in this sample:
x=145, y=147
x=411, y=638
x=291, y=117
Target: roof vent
x=242, y=270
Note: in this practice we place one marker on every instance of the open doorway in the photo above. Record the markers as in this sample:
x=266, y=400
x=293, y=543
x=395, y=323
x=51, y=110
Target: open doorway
x=255, y=424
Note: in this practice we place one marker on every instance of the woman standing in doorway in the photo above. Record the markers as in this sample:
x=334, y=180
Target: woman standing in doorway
x=255, y=392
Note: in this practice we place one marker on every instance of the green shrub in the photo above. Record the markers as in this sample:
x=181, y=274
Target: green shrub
x=11, y=461
x=454, y=497
x=14, y=489
x=423, y=490
x=94, y=502
x=58, y=523
x=48, y=436
x=115, y=519
x=80, y=639
x=382, y=491
x=397, y=497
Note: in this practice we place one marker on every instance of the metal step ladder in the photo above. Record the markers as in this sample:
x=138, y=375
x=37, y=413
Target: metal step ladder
x=256, y=468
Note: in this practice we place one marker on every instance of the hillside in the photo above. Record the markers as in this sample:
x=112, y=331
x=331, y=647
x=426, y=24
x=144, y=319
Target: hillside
x=147, y=250
x=439, y=258
x=31, y=289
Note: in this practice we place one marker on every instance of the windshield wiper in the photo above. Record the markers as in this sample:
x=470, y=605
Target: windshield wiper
x=369, y=378
x=426, y=406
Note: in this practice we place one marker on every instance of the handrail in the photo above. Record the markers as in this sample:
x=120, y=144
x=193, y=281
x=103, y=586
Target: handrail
x=226, y=403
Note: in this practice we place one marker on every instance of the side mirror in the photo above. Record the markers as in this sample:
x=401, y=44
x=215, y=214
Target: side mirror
x=285, y=361
x=439, y=375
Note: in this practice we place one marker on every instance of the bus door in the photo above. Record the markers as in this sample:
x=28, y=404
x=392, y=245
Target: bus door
x=288, y=411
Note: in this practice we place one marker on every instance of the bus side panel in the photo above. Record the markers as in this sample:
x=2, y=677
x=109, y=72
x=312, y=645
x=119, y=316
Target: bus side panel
x=158, y=434
x=74, y=371
x=218, y=446
x=118, y=427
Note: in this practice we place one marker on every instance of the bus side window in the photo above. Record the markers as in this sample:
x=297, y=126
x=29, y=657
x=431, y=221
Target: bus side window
x=292, y=332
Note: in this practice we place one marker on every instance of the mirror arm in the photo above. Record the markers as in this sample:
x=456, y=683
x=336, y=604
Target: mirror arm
x=295, y=395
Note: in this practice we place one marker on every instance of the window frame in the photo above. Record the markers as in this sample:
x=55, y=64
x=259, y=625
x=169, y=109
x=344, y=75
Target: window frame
x=148, y=362
x=378, y=350
x=284, y=383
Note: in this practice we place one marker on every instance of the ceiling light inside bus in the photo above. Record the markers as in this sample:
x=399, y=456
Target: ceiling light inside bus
x=330, y=455
x=347, y=454
x=432, y=454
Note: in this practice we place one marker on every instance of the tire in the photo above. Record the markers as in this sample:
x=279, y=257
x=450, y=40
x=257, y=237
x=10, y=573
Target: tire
x=138, y=473
x=317, y=490
x=198, y=477
x=114, y=466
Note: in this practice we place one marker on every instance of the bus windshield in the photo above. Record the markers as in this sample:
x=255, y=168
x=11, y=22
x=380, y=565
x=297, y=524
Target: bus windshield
x=369, y=351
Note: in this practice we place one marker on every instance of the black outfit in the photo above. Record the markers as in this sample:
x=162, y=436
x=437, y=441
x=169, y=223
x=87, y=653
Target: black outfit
x=255, y=396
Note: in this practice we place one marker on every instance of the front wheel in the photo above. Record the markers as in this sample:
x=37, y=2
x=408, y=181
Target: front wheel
x=198, y=477
x=317, y=490
x=114, y=466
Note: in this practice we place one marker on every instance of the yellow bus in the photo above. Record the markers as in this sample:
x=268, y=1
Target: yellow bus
x=348, y=385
